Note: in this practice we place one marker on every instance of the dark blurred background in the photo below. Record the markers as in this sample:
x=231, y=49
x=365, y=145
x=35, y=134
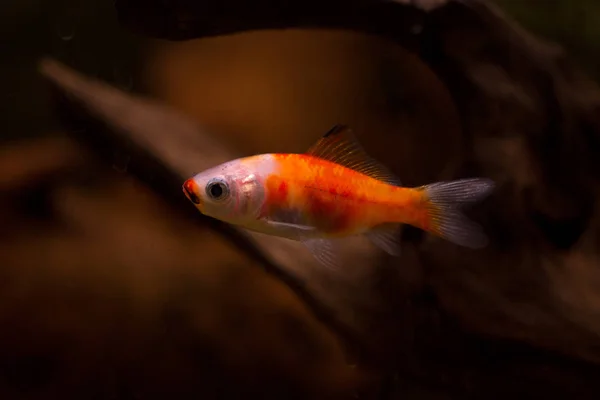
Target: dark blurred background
x=106, y=292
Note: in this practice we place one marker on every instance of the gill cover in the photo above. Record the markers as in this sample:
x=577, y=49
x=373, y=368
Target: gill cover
x=231, y=192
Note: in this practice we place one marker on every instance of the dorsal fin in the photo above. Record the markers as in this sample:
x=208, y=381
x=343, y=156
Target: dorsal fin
x=339, y=145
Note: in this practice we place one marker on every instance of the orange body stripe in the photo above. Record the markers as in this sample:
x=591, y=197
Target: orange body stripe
x=337, y=199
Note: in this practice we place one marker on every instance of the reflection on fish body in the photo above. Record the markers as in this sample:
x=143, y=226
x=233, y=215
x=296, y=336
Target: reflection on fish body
x=332, y=191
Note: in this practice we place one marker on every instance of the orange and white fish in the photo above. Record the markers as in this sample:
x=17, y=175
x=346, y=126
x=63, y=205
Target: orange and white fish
x=333, y=190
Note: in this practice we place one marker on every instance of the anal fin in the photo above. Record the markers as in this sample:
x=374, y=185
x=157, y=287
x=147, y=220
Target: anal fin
x=387, y=237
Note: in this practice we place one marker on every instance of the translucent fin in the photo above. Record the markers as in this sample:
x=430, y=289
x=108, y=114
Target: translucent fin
x=339, y=145
x=387, y=238
x=443, y=200
x=290, y=225
x=323, y=251
x=290, y=220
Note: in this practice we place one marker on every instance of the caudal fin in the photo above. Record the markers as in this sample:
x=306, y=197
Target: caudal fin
x=443, y=200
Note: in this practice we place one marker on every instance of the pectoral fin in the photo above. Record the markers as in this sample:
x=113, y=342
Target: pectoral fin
x=290, y=225
x=288, y=219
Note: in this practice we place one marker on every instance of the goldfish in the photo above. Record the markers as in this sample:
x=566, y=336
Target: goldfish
x=334, y=190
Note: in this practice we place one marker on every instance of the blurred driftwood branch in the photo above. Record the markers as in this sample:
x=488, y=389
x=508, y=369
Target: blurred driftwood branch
x=528, y=121
x=180, y=147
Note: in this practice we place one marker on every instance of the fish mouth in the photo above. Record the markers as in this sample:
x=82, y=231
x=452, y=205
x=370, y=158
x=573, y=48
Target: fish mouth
x=190, y=188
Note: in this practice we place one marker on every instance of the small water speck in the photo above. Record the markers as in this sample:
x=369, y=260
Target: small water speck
x=65, y=28
x=121, y=162
x=67, y=37
x=416, y=29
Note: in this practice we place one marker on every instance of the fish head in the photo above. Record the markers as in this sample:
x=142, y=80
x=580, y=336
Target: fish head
x=232, y=192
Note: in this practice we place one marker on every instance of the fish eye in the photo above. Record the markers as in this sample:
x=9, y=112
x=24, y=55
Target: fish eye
x=216, y=189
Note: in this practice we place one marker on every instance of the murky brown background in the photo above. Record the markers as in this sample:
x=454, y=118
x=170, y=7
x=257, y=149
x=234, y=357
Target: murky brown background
x=106, y=291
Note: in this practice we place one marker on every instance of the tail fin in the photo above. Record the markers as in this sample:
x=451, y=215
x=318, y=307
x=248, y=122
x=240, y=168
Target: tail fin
x=443, y=199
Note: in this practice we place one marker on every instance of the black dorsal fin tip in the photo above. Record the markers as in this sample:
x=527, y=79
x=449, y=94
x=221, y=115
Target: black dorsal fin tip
x=336, y=129
x=346, y=151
